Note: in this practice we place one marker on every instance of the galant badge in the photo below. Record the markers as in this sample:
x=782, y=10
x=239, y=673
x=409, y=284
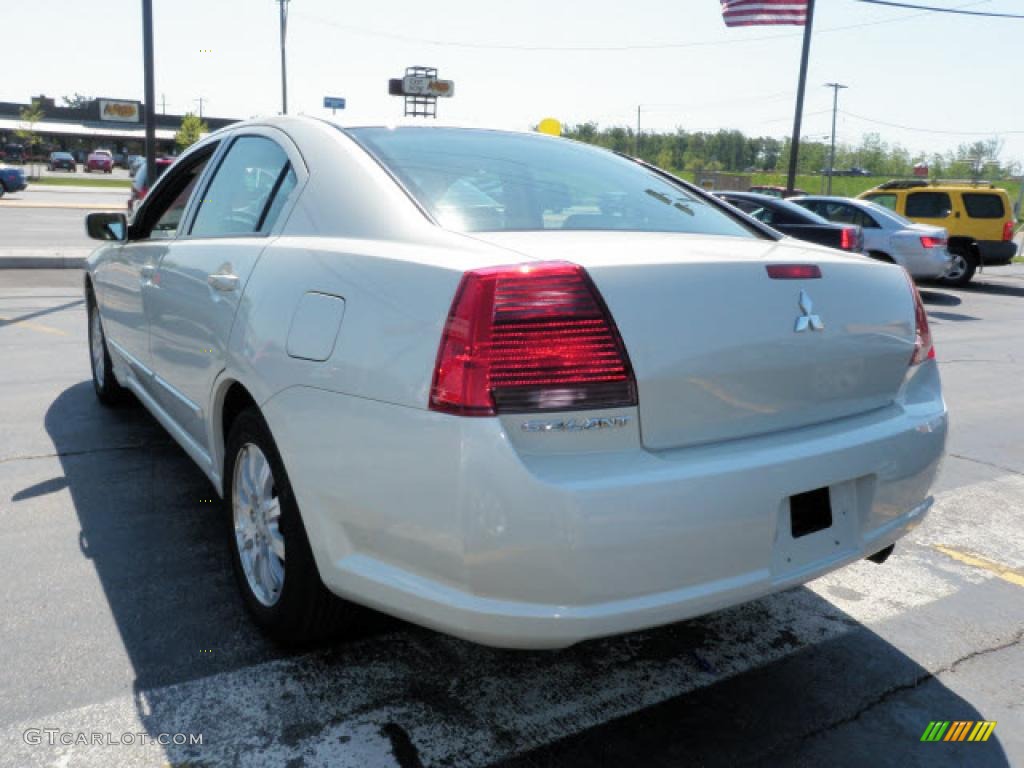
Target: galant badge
x=808, y=319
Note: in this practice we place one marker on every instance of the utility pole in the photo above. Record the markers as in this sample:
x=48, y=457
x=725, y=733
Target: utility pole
x=163, y=103
x=201, y=99
x=150, y=88
x=835, y=105
x=794, y=147
x=284, y=69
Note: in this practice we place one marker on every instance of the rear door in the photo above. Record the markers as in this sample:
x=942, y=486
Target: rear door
x=984, y=214
x=203, y=274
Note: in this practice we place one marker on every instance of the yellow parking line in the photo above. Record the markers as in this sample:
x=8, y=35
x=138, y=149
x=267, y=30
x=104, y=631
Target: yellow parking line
x=32, y=326
x=1006, y=574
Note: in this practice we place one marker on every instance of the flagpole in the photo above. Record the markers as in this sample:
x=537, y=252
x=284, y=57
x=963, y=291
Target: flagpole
x=794, y=147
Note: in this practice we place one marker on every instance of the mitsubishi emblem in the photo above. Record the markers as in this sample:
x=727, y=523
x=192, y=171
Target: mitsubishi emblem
x=808, y=319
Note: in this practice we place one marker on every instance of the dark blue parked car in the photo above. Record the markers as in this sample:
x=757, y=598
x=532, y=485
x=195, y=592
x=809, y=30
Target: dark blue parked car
x=11, y=179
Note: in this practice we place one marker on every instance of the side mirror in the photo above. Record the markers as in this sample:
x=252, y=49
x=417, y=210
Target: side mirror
x=106, y=225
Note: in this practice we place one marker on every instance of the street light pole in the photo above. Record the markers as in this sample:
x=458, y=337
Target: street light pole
x=835, y=105
x=150, y=88
x=284, y=69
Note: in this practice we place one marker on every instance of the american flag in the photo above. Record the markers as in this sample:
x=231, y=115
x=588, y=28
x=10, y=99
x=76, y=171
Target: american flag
x=747, y=13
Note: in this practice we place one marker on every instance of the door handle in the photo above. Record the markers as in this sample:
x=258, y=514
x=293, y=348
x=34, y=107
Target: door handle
x=223, y=282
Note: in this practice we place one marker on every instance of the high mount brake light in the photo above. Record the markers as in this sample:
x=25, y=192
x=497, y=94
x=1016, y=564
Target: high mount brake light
x=528, y=338
x=924, y=349
x=793, y=271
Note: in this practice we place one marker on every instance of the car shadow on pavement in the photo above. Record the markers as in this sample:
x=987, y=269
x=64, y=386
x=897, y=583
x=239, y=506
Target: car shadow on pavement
x=776, y=681
x=153, y=528
x=980, y=285
x=930, y=296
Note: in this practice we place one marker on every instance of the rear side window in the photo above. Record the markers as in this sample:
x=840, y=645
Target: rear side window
x=929, y=205
x=239, y=200
x=885, y=200
x=981, y=205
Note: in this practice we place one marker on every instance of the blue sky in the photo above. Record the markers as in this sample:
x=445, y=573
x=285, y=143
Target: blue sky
x=931, y=72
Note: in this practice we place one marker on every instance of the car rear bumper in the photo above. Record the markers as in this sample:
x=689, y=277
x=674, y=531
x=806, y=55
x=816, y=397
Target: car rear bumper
x=531, y=540
x=926, y=263
x=996, y=252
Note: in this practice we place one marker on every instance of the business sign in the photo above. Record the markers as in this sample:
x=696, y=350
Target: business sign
x=119, y=111
x=413, y=85
x=334, y=102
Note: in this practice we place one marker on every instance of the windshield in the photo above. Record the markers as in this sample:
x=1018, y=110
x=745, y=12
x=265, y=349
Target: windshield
x=477, y=181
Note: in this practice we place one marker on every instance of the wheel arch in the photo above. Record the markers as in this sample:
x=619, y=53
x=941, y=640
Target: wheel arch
x=966, y=245
x=231, y=397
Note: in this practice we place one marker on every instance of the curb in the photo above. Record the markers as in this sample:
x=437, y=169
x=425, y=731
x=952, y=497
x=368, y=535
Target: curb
x=42, y=262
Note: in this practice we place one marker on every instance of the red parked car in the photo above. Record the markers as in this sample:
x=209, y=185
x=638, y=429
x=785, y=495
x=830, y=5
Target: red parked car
x=100, y=160
x=141, y=184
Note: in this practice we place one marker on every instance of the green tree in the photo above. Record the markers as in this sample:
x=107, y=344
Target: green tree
x=30, y=116
x=77, y=101
x=192, y=128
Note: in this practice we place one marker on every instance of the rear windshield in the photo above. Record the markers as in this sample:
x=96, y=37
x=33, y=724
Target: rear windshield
x=479, y=181
x=981, y=205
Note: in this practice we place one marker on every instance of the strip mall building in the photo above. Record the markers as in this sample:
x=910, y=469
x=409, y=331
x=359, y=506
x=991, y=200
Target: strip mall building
x=114, y=124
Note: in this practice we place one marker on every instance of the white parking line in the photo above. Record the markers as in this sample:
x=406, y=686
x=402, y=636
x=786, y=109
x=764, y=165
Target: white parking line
x=355, y=704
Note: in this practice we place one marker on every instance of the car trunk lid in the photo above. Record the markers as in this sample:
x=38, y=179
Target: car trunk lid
x=714, y=340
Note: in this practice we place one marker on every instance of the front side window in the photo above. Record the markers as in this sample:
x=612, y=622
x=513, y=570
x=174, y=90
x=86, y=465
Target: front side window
x=928, y=205
x=478, y=181
x=240, y=199
x=981, y=205
x=163, y=208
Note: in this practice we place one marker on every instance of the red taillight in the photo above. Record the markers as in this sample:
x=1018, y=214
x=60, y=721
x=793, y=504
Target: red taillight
x=924, y=349
x=793, y=271
x=933, y=242
x=848, y=239
x=1008, y=230
x=530, y=337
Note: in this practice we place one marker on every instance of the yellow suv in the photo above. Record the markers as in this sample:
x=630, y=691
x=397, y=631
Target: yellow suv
x=977, y=215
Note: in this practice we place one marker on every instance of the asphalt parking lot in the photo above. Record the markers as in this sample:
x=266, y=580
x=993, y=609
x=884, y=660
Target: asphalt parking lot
x=121, y=616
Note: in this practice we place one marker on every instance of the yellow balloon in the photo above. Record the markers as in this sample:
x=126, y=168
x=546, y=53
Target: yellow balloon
x=550, y=126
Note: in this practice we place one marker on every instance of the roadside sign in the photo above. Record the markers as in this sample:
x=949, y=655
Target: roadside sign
x=414, y=85
x=334, y=102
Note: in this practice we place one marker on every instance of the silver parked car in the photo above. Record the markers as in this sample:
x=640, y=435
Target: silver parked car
x=921, y=249
x=506, y=385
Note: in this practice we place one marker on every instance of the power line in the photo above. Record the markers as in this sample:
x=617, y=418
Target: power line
x=933, y=9
x=604, y=48
x=929, y=130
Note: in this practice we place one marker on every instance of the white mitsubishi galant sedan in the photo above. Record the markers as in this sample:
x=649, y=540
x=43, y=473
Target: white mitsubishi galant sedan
x=519, y=389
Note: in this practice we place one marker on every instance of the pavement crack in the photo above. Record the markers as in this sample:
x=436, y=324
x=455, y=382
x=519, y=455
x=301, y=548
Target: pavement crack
x=1000, y=467
x=86, y=452
x=882, y=698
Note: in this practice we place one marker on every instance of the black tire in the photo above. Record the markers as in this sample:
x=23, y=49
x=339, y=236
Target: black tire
x=305, y=611
x=108, y=390
x=965, y=264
